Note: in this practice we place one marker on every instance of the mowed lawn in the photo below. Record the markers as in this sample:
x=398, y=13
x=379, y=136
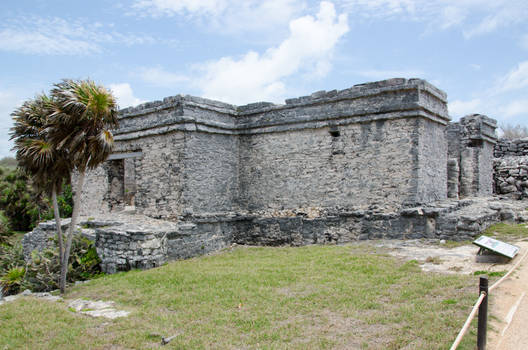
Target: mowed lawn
x=316, y=297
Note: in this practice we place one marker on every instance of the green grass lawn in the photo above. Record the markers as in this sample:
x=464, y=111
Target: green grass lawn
x=316, y=297
x=508, y=232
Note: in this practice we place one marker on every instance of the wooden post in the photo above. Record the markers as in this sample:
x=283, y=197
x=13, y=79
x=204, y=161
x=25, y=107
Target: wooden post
x=482, y=314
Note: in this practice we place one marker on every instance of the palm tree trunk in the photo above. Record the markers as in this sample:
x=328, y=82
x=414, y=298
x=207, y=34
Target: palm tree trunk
x=73, y=223
x=57, y=221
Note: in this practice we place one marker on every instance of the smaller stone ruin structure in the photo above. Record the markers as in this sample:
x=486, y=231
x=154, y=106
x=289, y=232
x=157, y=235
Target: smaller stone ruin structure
x=378, y=160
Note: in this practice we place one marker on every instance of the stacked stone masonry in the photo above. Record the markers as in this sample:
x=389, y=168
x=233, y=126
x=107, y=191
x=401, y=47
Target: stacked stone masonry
x=374, y=161
x=511, y=168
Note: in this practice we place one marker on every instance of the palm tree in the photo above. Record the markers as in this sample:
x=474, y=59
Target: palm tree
x=79, y=125
x=37, y=156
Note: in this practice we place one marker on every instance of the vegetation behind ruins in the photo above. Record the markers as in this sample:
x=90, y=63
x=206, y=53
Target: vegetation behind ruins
x=22, y=207
x=512, y=132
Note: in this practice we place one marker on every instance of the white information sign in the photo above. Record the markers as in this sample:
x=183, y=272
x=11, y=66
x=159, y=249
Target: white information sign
x=496, y=246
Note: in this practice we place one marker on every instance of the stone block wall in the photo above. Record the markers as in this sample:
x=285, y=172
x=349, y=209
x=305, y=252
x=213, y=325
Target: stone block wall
x=311, y=168
x=470, y=156
x=506, y=148
x=511, y=176
x=511, y=168
x=199, y=157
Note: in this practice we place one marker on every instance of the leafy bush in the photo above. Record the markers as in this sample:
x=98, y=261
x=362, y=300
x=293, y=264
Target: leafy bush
x=41, y=274
x=43, y=271
x=11, y=268
x=4, y=228
x=21, y=204
x=10, y=257
x=24, y=206
x=12, y=281
x=65, y=201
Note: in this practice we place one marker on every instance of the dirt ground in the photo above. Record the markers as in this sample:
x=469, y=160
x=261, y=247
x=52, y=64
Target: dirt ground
x=508, y=303
x=434, y=257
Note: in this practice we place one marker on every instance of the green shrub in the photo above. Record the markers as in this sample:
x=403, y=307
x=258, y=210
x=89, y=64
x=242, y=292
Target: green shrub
x=12, y=281
x=21, y=204
x=4, y=228
x=43, y=271
x=11, y=256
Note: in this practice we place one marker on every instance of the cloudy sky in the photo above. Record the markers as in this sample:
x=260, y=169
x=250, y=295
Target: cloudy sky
x=243, y=51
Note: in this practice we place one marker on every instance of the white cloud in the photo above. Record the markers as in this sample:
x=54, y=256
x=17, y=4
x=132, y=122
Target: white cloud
x=452, y=16
x=499, y=14
x=231, y=16
x=56, y=36
x=506, y=100
x=379, y=8
x=388, y=74
x=173, y=7
x=516, y=108
x=124, y=95
x=516, y=79
x=159, y=77
x=460, y=108
x=257, y=76
x=474, y=17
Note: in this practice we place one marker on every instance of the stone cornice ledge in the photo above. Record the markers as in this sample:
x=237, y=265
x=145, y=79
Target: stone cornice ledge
x=265, y=117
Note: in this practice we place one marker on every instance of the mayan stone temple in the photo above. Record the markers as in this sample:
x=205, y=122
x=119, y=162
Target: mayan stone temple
x=379, y=160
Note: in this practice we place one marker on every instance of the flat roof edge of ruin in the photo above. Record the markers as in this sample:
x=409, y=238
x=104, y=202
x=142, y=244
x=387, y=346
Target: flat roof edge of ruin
x=357, y=91
x=300, y=123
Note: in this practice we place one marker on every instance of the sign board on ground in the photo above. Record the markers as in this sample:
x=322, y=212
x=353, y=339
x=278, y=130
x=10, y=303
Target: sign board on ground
x=497, y=246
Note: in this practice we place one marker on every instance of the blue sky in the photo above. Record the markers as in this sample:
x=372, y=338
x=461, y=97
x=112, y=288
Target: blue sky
x=243, y=51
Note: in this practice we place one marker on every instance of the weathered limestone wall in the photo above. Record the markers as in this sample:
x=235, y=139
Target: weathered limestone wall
x=311, y=168
x=199, y=157
x=517, y=147
x=511, y=168
x=431, y=172
x=470, y=152
x=511, y=176
x=210, y=173
x=354, y=148
x=158, y=172
x=95, y=191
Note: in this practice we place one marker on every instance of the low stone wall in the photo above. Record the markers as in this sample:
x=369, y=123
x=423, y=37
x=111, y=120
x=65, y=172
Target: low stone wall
x=511, y=176
x=125, y=241
x=128, y=246
x=449, y=219
x=43, y=236
x=505, y=148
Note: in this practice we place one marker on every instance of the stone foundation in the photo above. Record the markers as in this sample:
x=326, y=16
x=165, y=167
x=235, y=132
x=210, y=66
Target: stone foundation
x=126, y=241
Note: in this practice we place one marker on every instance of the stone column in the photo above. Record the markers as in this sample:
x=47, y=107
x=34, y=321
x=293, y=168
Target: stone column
x=453, y=174
x=477, y=142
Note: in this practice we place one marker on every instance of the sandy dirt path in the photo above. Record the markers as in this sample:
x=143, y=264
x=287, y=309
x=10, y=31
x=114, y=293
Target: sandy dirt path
x=508, y=329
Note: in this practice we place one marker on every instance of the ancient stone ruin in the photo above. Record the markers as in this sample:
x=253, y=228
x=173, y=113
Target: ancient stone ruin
x=378, y=160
